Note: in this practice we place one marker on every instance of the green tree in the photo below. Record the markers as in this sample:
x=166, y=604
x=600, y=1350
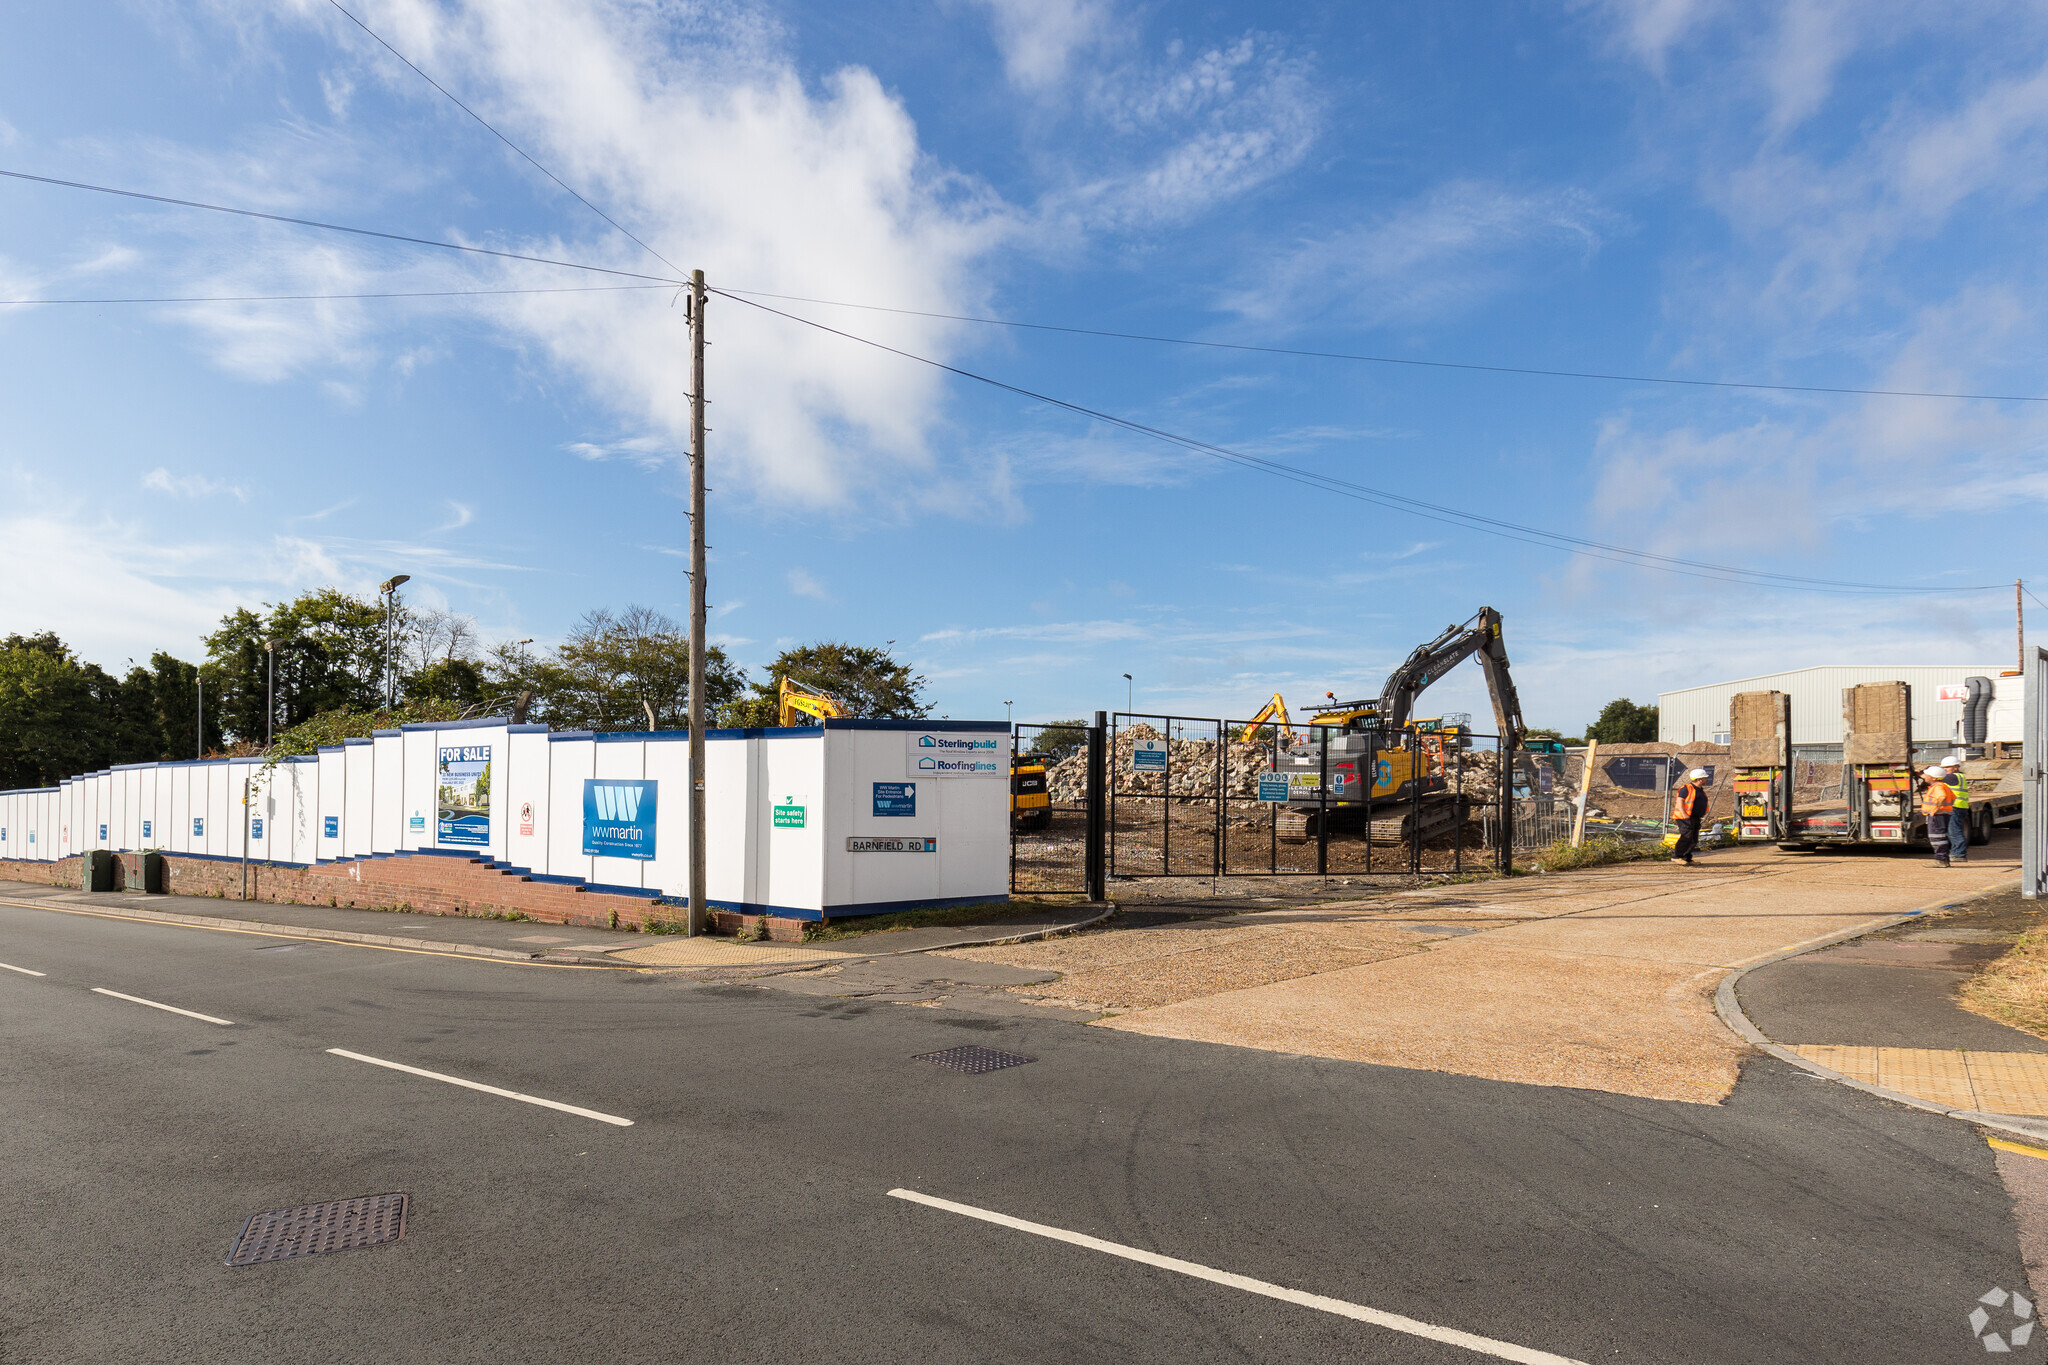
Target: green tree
x=1060, y=738
x=1623, y=722
x=609, y=673
x=329, y=649
x=868, y=682
x=60, y=717
x=45, y=712
x=456, y=680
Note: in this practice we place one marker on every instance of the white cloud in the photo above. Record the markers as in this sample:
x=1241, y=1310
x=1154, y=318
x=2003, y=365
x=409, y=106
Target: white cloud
x=1178, y=136
x=1430, y=258
x=1649, y=29
x=701, y=135
x=337, y=89
x=803, y=584
x=1038, y=38
x=649, y=452
x=161, y=480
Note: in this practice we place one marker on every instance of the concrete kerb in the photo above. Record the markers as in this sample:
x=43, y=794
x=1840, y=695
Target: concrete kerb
x=1729, y=1007
x=1104, y=910
x=298, y=931
x=542, y=957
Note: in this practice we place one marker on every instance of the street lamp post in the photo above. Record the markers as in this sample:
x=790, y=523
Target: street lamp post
x=199, y=714
x=270, y=713
x=1130, y=694
x=1006, y=714
x=389, y=589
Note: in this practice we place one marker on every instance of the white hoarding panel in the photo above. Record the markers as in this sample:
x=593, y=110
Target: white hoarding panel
x=526, y=797
x=668, y=769
x=572, y=760
x=359, y=760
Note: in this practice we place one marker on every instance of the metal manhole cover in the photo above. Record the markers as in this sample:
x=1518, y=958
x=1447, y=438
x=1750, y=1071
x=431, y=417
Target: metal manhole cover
x=972, y=1060
x=343, y=1225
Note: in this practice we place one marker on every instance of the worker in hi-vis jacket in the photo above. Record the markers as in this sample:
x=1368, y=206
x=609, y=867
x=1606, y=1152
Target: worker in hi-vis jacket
x=1688, y=808
x=1959, y=814
x=1938, y=803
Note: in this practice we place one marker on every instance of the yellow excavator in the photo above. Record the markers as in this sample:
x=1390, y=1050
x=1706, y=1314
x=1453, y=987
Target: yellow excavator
x=794, y=703
x=1275, y=711
x=1376, y=754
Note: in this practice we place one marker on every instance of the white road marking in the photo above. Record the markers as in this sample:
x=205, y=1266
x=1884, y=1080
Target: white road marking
x=487, y=1089
x=168, y=1009
x=23, y=970
x=1451, y=1336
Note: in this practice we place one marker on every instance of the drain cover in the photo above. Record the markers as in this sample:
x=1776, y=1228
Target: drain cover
x=972, y=1060
x=344, y=1225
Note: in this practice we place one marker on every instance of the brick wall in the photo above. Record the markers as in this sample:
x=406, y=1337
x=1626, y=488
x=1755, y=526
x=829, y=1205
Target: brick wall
x=427, y=885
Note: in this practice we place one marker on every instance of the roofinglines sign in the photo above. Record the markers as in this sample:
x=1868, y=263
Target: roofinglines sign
x=933, y=753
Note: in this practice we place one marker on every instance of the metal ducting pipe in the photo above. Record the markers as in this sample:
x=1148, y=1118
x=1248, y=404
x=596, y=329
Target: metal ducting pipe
x=1976, y=709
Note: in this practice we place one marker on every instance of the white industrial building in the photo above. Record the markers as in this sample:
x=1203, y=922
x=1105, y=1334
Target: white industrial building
x=1701, y=713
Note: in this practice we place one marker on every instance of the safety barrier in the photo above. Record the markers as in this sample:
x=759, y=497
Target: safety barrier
x=845, y=818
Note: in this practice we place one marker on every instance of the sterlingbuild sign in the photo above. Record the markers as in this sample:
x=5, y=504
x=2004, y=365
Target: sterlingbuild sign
x=944, y=754
x=618, y=818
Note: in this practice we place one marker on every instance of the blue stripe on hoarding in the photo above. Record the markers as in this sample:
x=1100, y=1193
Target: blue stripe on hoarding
x=480, y=723
x=935, y=726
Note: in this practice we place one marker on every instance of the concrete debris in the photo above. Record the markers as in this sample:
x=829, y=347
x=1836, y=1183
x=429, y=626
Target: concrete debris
x=1192, y=771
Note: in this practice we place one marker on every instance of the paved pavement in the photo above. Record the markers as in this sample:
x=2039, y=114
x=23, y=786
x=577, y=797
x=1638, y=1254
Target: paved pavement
x=1883, y=1009
x=528, y=939
x=747, y=1212
x=1601, y=980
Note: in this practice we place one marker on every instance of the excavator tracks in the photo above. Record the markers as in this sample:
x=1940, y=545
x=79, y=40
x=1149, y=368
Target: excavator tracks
x=1390, y=825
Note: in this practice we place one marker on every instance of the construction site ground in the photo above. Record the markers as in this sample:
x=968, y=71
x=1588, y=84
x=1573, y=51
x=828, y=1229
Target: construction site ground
x=1150, y=840
x=1601, y=979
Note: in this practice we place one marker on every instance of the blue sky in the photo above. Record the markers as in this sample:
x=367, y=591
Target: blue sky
x=1801, y=193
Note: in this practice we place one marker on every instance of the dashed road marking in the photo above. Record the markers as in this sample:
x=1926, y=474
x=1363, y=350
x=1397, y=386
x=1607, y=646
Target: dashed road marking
x=486, y=1089
x=23, y=970
x=159, y=1005
x=1429, y=1331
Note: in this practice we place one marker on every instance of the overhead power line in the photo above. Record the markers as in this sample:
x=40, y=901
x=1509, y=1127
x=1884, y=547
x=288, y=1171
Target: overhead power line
x=747, y=295
x=502, y=138
x=306, y=298
x=1554, y=540
x=1397, y=360
x=335, y=227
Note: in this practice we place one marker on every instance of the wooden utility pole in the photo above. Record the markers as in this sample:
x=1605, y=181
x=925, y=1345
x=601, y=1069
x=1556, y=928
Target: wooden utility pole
x=1585, y=782
x=697, y=918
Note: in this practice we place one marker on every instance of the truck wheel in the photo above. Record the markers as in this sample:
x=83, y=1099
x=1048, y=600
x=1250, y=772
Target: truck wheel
x=1980, y=827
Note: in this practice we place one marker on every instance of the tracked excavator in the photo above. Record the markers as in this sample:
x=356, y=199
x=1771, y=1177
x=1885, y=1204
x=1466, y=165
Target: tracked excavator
x=1386, y=767
x=794, y=702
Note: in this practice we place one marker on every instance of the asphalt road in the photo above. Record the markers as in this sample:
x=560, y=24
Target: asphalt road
x=745, y=1214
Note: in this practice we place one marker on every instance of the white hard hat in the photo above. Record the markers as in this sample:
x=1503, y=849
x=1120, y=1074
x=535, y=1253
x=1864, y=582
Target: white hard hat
x=1698, y=774
x=1952, y=761
x=1936, y=771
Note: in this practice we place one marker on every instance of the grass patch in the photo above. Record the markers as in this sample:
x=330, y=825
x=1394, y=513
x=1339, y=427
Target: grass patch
x=855, y=926
x=2014, y=989
x=1597, y=852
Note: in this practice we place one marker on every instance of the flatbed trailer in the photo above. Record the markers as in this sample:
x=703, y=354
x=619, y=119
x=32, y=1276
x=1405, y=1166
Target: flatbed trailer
x=1878, y=801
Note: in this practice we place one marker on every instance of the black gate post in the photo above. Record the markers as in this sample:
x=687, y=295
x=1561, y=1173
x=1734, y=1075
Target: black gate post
x=1507, y=809
x=1093, y=864
x=1323, y=809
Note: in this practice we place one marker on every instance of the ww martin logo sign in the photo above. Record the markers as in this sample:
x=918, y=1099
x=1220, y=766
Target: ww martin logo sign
x=948, y=754
x=618, y=818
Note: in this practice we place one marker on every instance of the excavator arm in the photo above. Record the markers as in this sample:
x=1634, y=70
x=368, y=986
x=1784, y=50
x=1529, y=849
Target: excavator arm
x=1275, y=710
x=794, y=702
x=1481, y=635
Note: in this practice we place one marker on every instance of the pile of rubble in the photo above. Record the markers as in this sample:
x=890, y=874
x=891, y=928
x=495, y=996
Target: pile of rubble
x=1191, y=768
x=1191, y=771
